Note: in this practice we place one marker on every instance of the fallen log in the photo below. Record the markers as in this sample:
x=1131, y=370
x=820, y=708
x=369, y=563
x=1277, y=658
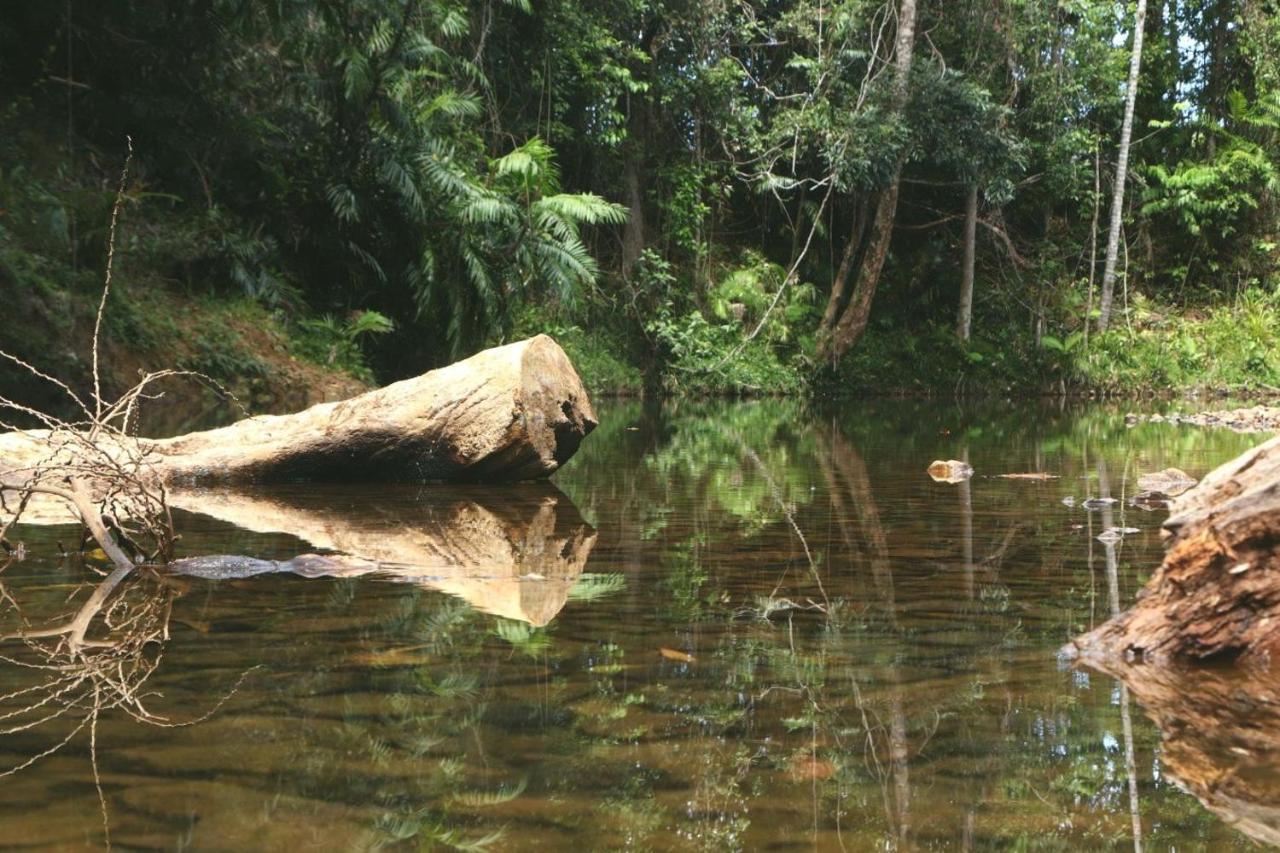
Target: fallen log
x=515, y=412
x=1216, y=597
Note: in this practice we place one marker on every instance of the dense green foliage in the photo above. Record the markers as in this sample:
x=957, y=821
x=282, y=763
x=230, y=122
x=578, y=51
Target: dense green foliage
x=673, y=187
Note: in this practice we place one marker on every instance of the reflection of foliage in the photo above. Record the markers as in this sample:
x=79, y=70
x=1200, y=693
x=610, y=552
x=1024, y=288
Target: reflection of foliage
x=594, y=587
x=686, y=577
x=524, y=638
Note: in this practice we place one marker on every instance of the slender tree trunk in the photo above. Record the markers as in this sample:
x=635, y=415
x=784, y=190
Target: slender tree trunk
x=1122, y=170
x=964, y=318
x=1093, y=238
x=840, y=283
x=834, y=343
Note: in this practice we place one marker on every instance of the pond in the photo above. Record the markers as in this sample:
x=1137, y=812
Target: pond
x=723, y=626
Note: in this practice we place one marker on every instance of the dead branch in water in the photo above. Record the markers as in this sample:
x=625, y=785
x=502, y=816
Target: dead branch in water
x=91, y=465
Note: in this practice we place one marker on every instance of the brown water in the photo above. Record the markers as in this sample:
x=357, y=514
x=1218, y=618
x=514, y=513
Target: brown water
x=728, y=626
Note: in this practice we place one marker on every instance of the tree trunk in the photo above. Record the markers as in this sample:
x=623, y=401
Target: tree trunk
x=964, y=318
x=633, y=231
x=515, y=412
x=1122, y=171
x=1216, y=597
x=833, y=343
x=840, y=283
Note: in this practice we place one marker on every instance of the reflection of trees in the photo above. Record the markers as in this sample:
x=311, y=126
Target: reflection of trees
x=898, y=713
x=858, y=518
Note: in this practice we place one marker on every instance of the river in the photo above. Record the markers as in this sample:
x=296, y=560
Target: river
x=722, y=626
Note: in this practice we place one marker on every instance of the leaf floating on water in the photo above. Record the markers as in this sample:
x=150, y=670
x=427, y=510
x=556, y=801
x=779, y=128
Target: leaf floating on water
x=676, y=655
x=1034, y=475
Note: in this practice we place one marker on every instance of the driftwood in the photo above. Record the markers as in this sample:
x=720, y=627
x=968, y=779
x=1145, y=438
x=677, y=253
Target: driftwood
x=515, y=412
x=1216, y=597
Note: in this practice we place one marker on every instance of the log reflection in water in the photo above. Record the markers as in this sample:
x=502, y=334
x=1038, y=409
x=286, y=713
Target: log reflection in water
x=514, y=551
x=1220, y=734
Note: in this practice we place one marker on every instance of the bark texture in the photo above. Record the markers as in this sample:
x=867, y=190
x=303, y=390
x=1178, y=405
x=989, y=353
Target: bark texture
x=1216, y=597
x=515, y=412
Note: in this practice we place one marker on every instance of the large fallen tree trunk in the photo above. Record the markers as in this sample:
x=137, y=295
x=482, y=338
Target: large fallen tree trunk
x=515, y=412
x=1216, y=597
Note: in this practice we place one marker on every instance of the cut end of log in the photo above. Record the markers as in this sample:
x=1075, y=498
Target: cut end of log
x=551, y=417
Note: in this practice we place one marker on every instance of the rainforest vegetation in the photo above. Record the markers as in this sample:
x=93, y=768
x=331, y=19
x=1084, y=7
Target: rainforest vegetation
x=690, y=195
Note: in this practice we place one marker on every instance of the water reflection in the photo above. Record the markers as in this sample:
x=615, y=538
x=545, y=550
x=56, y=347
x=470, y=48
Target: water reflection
x=786, y=635
x=514, y=551
x=1219, y=741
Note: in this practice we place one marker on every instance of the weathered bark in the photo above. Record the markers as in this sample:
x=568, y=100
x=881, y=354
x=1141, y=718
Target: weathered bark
x=964, y=315
x=514, y=552
x=1216, y=597
x=514, y=412
x=1122, y=172
x=833, y=343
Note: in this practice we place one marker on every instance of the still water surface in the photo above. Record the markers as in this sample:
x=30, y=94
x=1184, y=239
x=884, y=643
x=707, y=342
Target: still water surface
x=725, y=626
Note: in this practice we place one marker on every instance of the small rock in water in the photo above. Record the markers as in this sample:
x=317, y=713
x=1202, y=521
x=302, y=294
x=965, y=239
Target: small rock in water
x=1149, y=501
x=1115, y=534
x=1098, y=503
x=950, y=471
x=1170, y=482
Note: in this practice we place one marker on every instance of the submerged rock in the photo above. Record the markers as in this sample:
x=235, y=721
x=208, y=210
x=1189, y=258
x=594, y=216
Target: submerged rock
x=1170, y=482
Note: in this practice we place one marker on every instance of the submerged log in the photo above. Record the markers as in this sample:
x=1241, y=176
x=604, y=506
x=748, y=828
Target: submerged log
x=515, y=412
x=1216, y=597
